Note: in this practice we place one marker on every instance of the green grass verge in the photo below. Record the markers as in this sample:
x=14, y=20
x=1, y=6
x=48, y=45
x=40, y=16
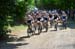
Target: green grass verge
x=18, y=28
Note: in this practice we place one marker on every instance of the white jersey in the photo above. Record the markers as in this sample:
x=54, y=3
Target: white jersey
x=29, y=17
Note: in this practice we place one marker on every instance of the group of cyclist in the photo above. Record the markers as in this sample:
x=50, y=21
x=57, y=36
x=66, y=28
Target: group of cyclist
x=42, y=19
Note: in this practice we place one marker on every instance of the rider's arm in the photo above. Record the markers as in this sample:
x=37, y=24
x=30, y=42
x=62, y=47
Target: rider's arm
x=25, y=19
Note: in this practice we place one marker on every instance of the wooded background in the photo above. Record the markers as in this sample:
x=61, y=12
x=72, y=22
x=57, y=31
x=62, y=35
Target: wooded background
x=12, y=12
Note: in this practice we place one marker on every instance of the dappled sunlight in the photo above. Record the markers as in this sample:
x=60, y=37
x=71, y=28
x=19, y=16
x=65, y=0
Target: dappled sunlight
x=37, y=24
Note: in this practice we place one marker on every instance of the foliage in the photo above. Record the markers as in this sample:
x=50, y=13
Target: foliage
x=63, y=4
x=13, y=11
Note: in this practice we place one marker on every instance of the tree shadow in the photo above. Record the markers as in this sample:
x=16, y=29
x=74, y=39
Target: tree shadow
x=12, y=43
x=71, y=25
x=37, y=33
x=53, y=30
x=22, y=38
x=43, y=31
x=11, y=46
x=67, y=46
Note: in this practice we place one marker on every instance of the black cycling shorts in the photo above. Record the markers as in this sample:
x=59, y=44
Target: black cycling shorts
x=46, y=19
x=29, y=21
x=38, y=19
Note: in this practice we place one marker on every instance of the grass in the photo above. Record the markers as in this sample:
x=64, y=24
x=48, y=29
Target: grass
x=21, y=27
x=18, y=28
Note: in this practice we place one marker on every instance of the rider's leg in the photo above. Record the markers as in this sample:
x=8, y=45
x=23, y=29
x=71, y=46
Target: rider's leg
x=56, y=25
x=28, y=31
x=46, y=26
x=65, y=25
x=51, y=22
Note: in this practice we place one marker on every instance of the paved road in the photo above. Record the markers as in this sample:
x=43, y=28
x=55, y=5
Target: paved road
x=61, y=39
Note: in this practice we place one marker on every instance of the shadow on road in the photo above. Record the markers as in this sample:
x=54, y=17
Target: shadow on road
x=11, y=46
x=71, y=25
x=70, y=46
x=11, y=43
x=22, y=38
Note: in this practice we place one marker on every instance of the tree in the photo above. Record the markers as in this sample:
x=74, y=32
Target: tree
x=6, y=8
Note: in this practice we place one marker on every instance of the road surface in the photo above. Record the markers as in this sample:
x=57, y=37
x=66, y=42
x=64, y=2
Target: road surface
x=61, y=39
